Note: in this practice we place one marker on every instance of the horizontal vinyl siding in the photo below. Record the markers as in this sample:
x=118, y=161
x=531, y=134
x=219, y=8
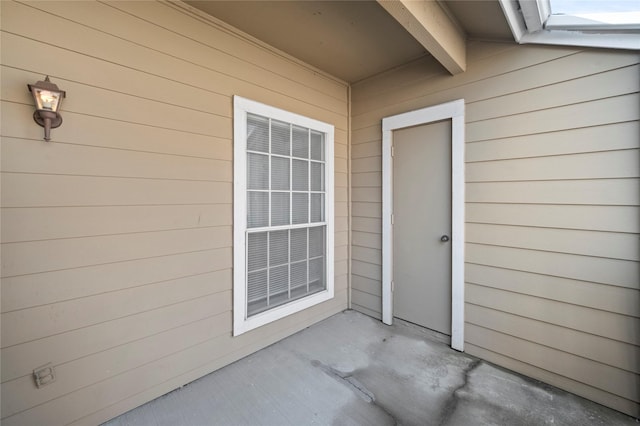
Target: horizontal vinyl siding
x=552, y=202
x=117, y=235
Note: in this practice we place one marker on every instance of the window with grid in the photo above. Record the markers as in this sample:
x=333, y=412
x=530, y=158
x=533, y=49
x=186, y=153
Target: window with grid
x=283, y=213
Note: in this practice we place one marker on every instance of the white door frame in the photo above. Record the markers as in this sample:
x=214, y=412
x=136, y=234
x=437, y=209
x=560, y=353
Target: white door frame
x=451, y=110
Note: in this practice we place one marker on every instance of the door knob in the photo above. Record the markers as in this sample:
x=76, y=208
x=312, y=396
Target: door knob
x=444, y=238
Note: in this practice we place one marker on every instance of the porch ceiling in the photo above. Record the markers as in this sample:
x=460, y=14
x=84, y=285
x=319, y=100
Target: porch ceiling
x=351, y=40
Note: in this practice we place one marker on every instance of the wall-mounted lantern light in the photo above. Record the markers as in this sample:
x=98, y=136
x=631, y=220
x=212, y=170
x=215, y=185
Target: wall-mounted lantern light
x=48, y=99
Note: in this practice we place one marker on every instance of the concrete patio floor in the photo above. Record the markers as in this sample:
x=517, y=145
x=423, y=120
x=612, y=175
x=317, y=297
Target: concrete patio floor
x=353, y=370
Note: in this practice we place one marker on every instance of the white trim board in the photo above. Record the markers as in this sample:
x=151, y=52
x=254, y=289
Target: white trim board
x=451, y=110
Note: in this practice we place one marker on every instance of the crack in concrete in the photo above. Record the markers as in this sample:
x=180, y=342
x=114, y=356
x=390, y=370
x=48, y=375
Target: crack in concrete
x=364, y=392
x=355, y=384
x=452, y=402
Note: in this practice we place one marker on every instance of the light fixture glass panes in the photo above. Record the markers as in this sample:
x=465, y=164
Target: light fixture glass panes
x=47, y=100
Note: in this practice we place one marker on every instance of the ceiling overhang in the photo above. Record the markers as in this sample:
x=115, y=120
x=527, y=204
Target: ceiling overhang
x=353, y=40
x=433, y=28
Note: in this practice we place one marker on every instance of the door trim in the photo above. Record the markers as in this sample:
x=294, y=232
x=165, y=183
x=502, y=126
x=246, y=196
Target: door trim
x=451, y=110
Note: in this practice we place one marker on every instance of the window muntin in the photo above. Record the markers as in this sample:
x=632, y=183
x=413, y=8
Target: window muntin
x=283, y=213
x=285, y=175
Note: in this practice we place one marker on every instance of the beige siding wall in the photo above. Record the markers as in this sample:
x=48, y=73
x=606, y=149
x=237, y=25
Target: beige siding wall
x=116, y=236
x=552, y=207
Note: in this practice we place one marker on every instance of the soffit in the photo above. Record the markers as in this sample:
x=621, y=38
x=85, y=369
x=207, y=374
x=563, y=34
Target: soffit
x=351, y=40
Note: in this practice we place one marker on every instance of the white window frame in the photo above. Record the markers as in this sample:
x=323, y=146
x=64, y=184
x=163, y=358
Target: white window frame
x=242, y=107
x=531, y=21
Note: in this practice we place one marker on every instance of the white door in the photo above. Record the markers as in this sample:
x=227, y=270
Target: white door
x=429, y=216
x=422, y=225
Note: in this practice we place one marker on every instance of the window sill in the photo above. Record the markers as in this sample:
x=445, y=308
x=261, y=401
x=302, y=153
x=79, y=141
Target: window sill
x=242, y=325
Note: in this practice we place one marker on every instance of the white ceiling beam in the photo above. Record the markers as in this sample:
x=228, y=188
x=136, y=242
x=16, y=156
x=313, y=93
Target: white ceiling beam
x=428, y=23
